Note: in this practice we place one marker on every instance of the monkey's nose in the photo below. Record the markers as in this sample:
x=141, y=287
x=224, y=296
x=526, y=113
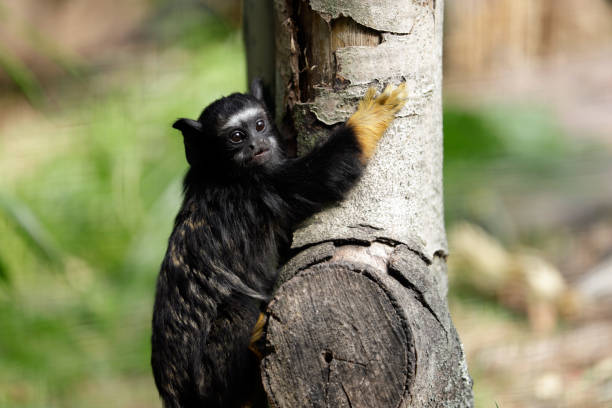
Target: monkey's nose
x=258, y=144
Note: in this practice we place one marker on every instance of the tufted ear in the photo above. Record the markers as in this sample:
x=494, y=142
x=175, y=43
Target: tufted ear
x=191, y=129
x=257, y=89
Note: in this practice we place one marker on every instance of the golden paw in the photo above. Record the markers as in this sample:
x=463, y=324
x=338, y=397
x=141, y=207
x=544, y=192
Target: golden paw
x=374, y=115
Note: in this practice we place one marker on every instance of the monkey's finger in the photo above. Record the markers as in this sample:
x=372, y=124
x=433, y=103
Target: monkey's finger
x=397, y=99
x=401, y=91
x=368, y=99
x=384, y=95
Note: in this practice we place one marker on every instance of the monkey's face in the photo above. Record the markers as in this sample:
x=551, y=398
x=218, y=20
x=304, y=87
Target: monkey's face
x=249, y=137
x=234, y=133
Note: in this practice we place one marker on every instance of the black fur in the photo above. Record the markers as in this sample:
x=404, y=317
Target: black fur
x=237, y=216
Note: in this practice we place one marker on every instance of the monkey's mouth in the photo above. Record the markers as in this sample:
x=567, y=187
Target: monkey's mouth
x=260, y=155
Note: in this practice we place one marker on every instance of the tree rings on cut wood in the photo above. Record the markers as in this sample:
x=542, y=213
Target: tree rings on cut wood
x=337, y=338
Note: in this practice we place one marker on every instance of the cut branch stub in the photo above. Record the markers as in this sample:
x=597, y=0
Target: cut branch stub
x=362, y=354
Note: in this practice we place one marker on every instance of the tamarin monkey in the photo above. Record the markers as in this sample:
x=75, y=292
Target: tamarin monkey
x=242, y=199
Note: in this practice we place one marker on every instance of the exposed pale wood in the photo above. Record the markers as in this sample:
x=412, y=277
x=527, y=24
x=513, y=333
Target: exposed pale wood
x=345, y=32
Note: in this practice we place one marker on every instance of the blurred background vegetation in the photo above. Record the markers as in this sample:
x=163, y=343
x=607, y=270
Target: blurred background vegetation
x=90, y=175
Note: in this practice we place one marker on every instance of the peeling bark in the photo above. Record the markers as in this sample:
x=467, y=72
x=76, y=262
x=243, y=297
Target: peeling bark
x=318, y=98
x=360, y=317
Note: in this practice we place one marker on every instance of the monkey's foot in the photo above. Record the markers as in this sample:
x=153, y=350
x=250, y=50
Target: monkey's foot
x=374, y=115
x=257, y=334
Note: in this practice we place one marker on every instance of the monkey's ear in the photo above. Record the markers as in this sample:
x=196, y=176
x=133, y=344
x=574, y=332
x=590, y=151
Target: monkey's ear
x=188, y=126
x=191, y=130
x=257, y=89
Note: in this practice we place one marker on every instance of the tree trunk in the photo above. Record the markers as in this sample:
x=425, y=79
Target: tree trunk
x=360, y=317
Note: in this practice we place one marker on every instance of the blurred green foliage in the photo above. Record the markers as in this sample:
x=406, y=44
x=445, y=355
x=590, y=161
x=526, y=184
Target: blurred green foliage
x=84, y=219
x=502, y=150
x=199, y=25
x=22, y=77
x=525, y=133
x=18, y=72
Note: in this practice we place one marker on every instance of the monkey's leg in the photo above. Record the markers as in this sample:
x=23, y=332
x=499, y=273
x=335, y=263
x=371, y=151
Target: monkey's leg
x=257, y=397
x=257, y=334
x=227, y=373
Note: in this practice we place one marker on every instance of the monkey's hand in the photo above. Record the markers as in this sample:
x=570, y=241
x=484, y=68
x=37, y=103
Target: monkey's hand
x=374, y=115
x=324, y=175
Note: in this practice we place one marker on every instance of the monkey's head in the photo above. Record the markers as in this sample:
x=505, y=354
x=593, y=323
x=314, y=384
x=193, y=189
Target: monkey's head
x=233, y=134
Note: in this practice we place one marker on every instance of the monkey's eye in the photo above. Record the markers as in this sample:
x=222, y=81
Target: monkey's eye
x=237, y=136
x=260, y=125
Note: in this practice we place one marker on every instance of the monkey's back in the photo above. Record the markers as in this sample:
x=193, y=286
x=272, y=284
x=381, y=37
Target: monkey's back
x=220, y=264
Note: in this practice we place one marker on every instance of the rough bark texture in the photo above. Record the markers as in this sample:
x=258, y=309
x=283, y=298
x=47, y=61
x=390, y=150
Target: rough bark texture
x=360, y=317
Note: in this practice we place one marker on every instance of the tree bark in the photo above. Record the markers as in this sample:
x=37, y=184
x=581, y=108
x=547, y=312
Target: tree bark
x=360, y=317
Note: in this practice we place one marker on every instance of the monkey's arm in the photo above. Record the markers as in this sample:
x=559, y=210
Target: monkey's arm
x=324, y=175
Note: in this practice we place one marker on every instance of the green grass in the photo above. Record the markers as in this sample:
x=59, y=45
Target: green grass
x=89, y=193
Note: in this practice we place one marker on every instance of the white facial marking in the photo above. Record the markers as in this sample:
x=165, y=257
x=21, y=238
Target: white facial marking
x=243, y=116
